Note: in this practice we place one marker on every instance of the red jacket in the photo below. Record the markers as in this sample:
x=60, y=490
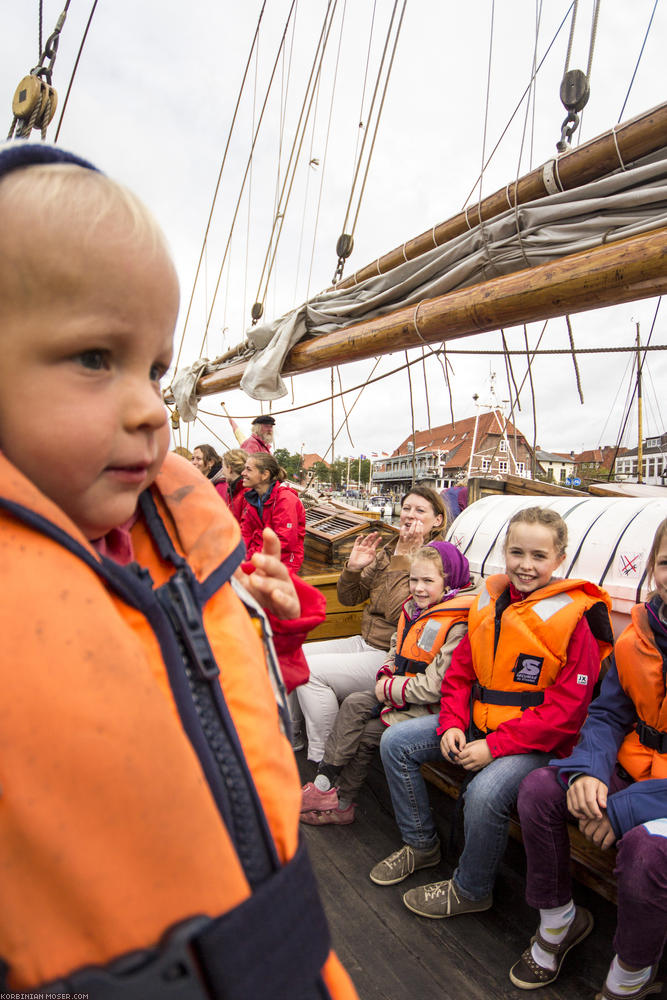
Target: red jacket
x=233, y=496
x=289, y=634
x=254, y=444
x=282, y=511
x=552, y=726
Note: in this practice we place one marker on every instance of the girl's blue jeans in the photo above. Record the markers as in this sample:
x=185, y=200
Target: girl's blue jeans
x=488, y=800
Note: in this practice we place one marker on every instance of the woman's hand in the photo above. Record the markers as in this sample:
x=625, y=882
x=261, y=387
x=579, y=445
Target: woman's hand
x=363, y=551
x=410, y=538
x=271, y=584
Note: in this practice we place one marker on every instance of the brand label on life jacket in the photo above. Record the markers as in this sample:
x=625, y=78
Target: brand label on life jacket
x=429, y=635
x=528, y=668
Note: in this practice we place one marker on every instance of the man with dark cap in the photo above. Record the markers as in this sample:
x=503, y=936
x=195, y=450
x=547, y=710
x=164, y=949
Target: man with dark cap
x=261, y=437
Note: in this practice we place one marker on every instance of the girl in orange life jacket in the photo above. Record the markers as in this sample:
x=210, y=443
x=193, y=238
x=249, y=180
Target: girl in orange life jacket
x=516, y=693
x=432, y=623
x=614, y=783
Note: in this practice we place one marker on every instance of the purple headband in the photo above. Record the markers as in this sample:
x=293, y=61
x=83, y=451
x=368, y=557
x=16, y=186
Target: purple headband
x=454, y=564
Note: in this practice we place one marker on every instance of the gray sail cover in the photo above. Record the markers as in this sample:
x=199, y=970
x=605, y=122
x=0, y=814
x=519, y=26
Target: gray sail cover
x=619, y=205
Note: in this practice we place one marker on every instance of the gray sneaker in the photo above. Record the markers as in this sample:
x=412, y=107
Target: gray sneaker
x=441, y=899
x=402, y=863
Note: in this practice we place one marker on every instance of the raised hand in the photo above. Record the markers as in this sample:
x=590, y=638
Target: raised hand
x=363, y=551
x=271, y=584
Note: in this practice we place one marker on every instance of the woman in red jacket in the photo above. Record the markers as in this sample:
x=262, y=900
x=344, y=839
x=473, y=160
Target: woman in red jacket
x=270, y=503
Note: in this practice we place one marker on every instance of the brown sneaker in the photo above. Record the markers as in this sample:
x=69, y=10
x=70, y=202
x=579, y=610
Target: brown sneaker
x=441, y=899
x=528, y=975
x=650, y=987
x=402, y=863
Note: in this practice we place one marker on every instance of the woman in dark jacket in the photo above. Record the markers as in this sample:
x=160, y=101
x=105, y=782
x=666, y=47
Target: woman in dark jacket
x=206, y=459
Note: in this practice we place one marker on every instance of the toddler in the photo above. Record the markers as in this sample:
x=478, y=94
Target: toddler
x=149, y=796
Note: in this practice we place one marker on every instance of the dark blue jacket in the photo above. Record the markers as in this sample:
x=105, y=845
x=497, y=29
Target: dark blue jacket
x=610, y=717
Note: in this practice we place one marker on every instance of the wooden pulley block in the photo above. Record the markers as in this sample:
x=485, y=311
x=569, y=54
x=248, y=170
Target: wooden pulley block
x=27, y=95
x=48, y=92
x=30, y=91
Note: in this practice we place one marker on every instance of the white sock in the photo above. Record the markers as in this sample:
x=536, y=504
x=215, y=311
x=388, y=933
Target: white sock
x=626, y=983
x=554, y=925
x=322, y=783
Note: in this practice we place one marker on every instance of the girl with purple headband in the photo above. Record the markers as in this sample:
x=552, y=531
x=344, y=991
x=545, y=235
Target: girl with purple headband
x=432, y=623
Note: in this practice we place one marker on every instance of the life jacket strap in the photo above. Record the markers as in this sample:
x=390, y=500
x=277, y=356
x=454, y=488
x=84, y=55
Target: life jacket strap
x=653, y=739
x=273, y=945
x=517, y=699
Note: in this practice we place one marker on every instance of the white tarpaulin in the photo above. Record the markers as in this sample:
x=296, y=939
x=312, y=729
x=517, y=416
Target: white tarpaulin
x=617, y=206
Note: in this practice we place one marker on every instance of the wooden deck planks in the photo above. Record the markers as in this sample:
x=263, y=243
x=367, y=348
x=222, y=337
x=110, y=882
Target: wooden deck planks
x=392, y=954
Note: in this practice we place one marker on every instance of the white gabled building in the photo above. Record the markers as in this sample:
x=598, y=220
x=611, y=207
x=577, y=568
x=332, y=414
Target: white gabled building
x=654, y=462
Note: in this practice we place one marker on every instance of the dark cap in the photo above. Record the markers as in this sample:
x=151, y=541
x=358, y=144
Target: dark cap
x=264, y=419
x=16, y=153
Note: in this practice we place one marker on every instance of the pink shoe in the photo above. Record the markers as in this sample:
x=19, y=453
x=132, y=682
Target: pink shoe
x=322, y=817
x=313, y=798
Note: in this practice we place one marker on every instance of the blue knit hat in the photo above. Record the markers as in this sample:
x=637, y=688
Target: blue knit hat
x=18, y=153
x=454, y=564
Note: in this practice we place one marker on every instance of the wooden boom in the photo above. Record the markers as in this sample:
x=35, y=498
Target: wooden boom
x=607, y=152
x=630, y=269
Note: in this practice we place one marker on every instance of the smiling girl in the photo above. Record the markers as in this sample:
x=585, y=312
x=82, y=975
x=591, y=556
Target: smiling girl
x=432, y=623
x=516, y=693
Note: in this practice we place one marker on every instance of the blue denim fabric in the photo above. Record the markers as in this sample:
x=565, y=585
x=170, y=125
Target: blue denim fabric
x=488, y=800
x=403, y=748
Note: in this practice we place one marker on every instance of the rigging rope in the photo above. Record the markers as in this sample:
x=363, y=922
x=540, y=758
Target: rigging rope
x=369, y=380
x=76, y=66
x=641, y=52
x=326, y=150
x=290, y=172
x=245, y=176
x=574, y=358
x=217, y=188
x=547, y=352
x=532, y=394
x=634, y=391
x=412, y=418
x=520, y=102
x=345, y=243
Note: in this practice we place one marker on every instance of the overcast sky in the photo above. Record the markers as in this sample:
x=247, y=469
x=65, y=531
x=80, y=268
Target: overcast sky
x=152, y=104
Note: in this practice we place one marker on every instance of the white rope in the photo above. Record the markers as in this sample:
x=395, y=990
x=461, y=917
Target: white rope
x=618, y=152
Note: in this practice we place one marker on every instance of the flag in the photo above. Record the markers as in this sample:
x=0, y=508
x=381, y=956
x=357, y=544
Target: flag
x=362, y=457
x=374, y=454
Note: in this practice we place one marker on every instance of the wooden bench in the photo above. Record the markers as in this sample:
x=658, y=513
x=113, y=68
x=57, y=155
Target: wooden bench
x=590, y=865
x=341, y=620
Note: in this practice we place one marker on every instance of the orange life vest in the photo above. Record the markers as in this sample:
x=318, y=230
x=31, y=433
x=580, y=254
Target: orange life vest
x=641, y=674
x=531, y=648
x=115, y=819
x=419, y=641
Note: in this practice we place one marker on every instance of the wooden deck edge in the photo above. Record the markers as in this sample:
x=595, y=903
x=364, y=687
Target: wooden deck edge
x=590, y=865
